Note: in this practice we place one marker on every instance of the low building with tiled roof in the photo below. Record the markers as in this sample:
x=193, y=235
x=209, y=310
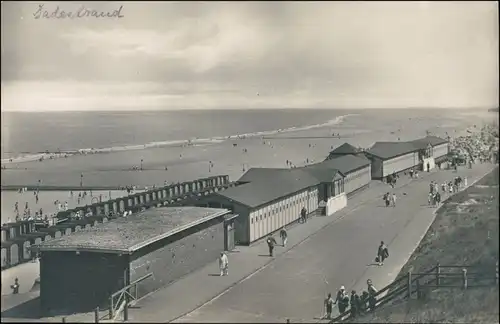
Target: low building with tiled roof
x=344, y=149
x=390, y=158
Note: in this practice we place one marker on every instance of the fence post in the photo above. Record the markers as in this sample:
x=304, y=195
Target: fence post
x=438, y=273
x=111, y=307
x=96, y=315
x=125, y=308
x=408, y=285
x=464, y=278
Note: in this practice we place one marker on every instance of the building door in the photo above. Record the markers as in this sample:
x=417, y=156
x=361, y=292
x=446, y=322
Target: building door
x=229, y=235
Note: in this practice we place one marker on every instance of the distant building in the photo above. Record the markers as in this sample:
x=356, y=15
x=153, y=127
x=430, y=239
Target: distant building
x=80, y=271
x=392, y=157
x=344, y=149
x=267, y=199
x=433, y=150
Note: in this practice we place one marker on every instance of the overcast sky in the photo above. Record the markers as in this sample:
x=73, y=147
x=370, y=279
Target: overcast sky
x=192, y=55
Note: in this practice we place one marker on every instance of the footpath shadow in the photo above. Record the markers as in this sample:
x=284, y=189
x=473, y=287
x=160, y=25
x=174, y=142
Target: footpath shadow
x=29, y=309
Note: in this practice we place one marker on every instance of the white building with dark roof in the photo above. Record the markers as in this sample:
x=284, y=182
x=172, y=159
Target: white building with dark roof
x=392, y=158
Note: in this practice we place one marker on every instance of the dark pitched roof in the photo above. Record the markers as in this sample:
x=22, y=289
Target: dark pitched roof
x=345, y=148
x=281, y=183
x=323, y=172
x=259, y=174
x=388, y=150
x=432, y=140
x=348, y=163
x=128, y=234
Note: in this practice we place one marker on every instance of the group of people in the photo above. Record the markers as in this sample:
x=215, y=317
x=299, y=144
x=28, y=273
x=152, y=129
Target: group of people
x=358, y=304
x=390, y=199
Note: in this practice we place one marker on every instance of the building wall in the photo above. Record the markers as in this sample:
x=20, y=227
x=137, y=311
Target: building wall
x=178, y=255
x=79, y=283
x=357, y=179
x=400, y=163
x=336, y=203
x=270, y=218
x=440, y=150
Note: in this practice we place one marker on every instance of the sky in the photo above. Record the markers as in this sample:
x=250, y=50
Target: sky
x=251, y=55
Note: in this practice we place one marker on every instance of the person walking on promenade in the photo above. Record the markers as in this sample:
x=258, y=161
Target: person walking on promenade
x=303, y=215
x=437, y=198
x=328, y=306
x=284, y=236
x=271, y=242
x=428, y=167
x=372, y=291
x=15, y=287
x=223, y=264
x=393, y=200
x=387, y=199
x=342, y=299
x=355, y=304
x=382, y=253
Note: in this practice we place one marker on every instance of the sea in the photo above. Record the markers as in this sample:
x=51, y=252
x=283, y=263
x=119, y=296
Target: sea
x=31, y=133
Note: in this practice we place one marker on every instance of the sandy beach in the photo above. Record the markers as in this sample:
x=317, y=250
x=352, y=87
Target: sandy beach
x=228, y=156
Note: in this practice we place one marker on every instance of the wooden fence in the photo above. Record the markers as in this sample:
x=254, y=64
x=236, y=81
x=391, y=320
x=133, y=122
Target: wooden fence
x=416, y=285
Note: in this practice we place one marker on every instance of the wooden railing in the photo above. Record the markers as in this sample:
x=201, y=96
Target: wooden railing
x=416, y=284
x=120, y=300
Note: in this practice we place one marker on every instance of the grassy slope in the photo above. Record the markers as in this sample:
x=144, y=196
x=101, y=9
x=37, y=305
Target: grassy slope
x=458, y=236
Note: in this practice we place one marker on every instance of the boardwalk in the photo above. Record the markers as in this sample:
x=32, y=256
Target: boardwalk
x=293, y=284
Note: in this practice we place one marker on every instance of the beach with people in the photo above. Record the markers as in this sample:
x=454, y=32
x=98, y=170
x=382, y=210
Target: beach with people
x=232, y=155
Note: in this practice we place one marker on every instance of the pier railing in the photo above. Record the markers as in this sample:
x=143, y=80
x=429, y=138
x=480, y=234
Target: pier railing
x=419, y=284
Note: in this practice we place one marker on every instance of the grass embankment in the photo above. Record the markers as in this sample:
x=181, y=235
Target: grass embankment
x=465, y=232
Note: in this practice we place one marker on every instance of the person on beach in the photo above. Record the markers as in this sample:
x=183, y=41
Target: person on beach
x=342, y=299
x=284, y=236
x=328, y=306
x=303, y=215
x=271, y=242
x=223, y=264
x=15, y=287
x=36, y=199
x=16, y=208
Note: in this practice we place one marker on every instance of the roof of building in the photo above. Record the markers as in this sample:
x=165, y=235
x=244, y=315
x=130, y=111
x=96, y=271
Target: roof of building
x=129, y=234
x=388, y=150
x=432, y=140
x=259, y=174
x=348, y=163
x=345, y=148
x=277, y=184
x=323, y=172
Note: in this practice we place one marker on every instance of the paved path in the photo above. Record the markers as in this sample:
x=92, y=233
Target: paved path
x=322, y=255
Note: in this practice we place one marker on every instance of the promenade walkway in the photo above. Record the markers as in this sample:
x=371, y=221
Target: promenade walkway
x=321, y=255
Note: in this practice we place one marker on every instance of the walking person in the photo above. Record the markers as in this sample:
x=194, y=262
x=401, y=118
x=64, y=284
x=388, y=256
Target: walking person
x=15, y=287
x=328, y=306
x=223, y=264
x=342, y=300
x=284, y=236
x=428, y=167
x=382, y=253
x=303, y=214
x=393, y=200
x=387, y=200
x=271, y=242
